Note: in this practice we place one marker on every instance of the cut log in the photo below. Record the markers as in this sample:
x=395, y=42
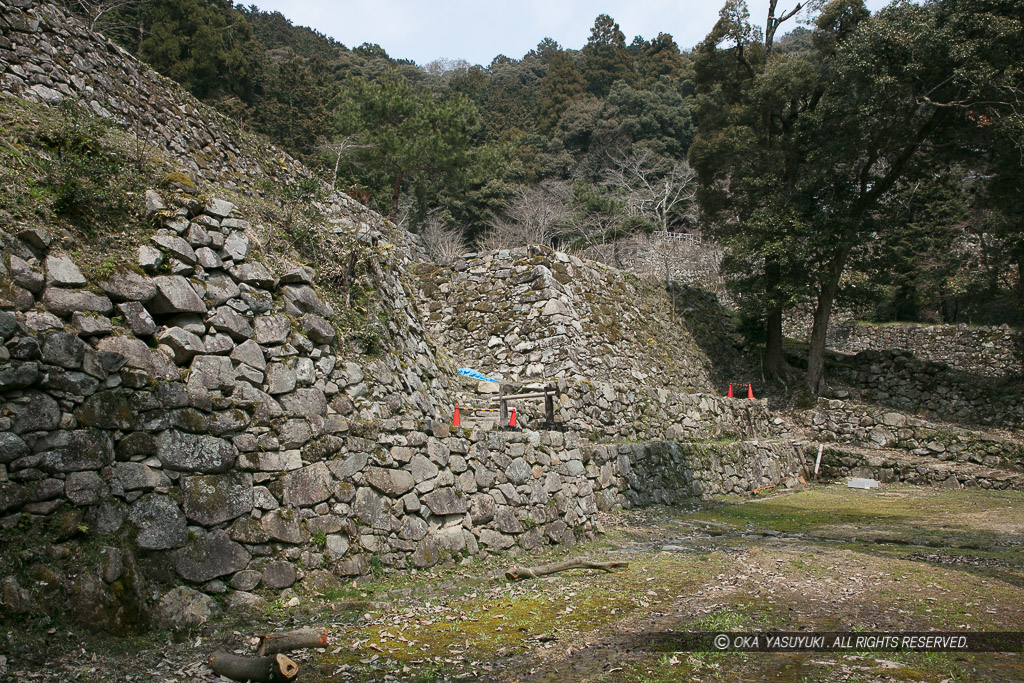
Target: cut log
x=271, y=669
x=520, y=573
x=272, y=643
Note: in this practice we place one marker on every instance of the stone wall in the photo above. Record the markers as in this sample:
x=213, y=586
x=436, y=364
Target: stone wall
x=534, y=314
x=874, y=428
x=47, y=55
x=994, y=352
x=897, y=379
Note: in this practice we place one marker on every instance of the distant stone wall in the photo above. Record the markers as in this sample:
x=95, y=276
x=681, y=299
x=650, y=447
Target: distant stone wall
x=984, y=351
x=535, y=314
x=931, y=389
x=854, y=424
x=47, y=55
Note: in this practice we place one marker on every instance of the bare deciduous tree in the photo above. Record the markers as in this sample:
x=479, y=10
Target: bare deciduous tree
x=443, y=242
x=339, y=148
x=535, y=215
x=659, y=191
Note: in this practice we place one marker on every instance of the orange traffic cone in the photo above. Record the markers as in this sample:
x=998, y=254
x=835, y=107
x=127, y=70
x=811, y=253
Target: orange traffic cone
x=512, y=419
x=750, y=391
x=456, y=421
x=730, y=390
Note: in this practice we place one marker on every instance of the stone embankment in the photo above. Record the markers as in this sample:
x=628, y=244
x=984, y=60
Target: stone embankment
x=898, y=379
x=533, y=314
x=990, y=352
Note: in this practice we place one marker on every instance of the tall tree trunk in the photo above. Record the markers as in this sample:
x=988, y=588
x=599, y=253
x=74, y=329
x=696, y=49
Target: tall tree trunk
x=396, y=192
x=775, y=364
x=822, y=313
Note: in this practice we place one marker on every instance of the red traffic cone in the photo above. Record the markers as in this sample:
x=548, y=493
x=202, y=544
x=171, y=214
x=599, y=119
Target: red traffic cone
x=512, y=419
x=750, y=391
x=456, y=421
x=730, y=390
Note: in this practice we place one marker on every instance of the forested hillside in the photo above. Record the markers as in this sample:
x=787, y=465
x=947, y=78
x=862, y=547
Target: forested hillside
x=871, y=162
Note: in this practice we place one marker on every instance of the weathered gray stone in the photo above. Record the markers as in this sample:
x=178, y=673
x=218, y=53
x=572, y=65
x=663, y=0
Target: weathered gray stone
x=445, y=501
x=77, y=450
x=18, y=375
x=301, y=299
x=213, y=372
x=83, y=488
x=392, y=483
x=278, y=575
x=127, y=285
x=182, y=343
x=25, y=275
x=218, y=208
x=495, y=539
x=237, y=246
x=91, y=325
x=304, y=403
x=138, y=355
x=184, y=608
x=245, y=580
x=281, y=379
x=136, y=476
x=64, y=302
x=208, y=556
x=252, y=273
x=505, y=521
x=307, y=486
x=303, y=275
x=250, y=353
x=318, y=330
x=138, y=319
x=373, y=509
x=208, y=259
x=61, y=271
x=186, y=452
x=12, y=447
x=154, y=203
x=220, y=289
x=160, y=522
x=65, y=350
x=39, y=413
x=481, y=509
x=150, y=259
x=272, y=329
x=176, y=247
x=111, y=409
x=518, y=471
x=36, y=237
x=336, y=546
x=421, y=468
x=174, y=295
x=196, y=236
x=283, y=525
x=258, y=300
x=215, y=498
x=226, y=319
x=8, y=325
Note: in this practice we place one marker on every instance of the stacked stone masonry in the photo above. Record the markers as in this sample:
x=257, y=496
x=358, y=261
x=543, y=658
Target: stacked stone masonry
x=992, y=352
x=932, y=389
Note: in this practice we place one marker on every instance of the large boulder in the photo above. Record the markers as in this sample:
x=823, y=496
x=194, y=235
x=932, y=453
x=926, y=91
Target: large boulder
x=160, y=523
x=186, y=452
x=208, y=556
x=175, y=295
x=214, y=498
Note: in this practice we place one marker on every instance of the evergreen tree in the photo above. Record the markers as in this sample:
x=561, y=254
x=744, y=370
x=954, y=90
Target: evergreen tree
x=605, y=59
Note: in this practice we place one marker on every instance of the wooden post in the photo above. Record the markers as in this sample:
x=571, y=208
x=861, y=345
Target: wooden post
x=502, y=408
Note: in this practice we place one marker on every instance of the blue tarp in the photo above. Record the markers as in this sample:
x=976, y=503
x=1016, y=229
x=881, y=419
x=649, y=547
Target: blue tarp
x=475, y=374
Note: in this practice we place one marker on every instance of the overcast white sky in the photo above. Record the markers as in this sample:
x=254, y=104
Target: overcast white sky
x=477, y=31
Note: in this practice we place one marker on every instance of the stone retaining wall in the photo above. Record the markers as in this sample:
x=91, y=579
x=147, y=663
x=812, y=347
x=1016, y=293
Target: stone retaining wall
x=984, y=351
x=876, y=428
x=932, y=389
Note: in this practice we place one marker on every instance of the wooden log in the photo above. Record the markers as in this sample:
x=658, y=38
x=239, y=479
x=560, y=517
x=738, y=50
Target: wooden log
x=271, y=669
x=273, y=643
x=520, y=573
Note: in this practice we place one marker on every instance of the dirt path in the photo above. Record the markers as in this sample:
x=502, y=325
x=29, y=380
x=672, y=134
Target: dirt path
x=827, y=559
